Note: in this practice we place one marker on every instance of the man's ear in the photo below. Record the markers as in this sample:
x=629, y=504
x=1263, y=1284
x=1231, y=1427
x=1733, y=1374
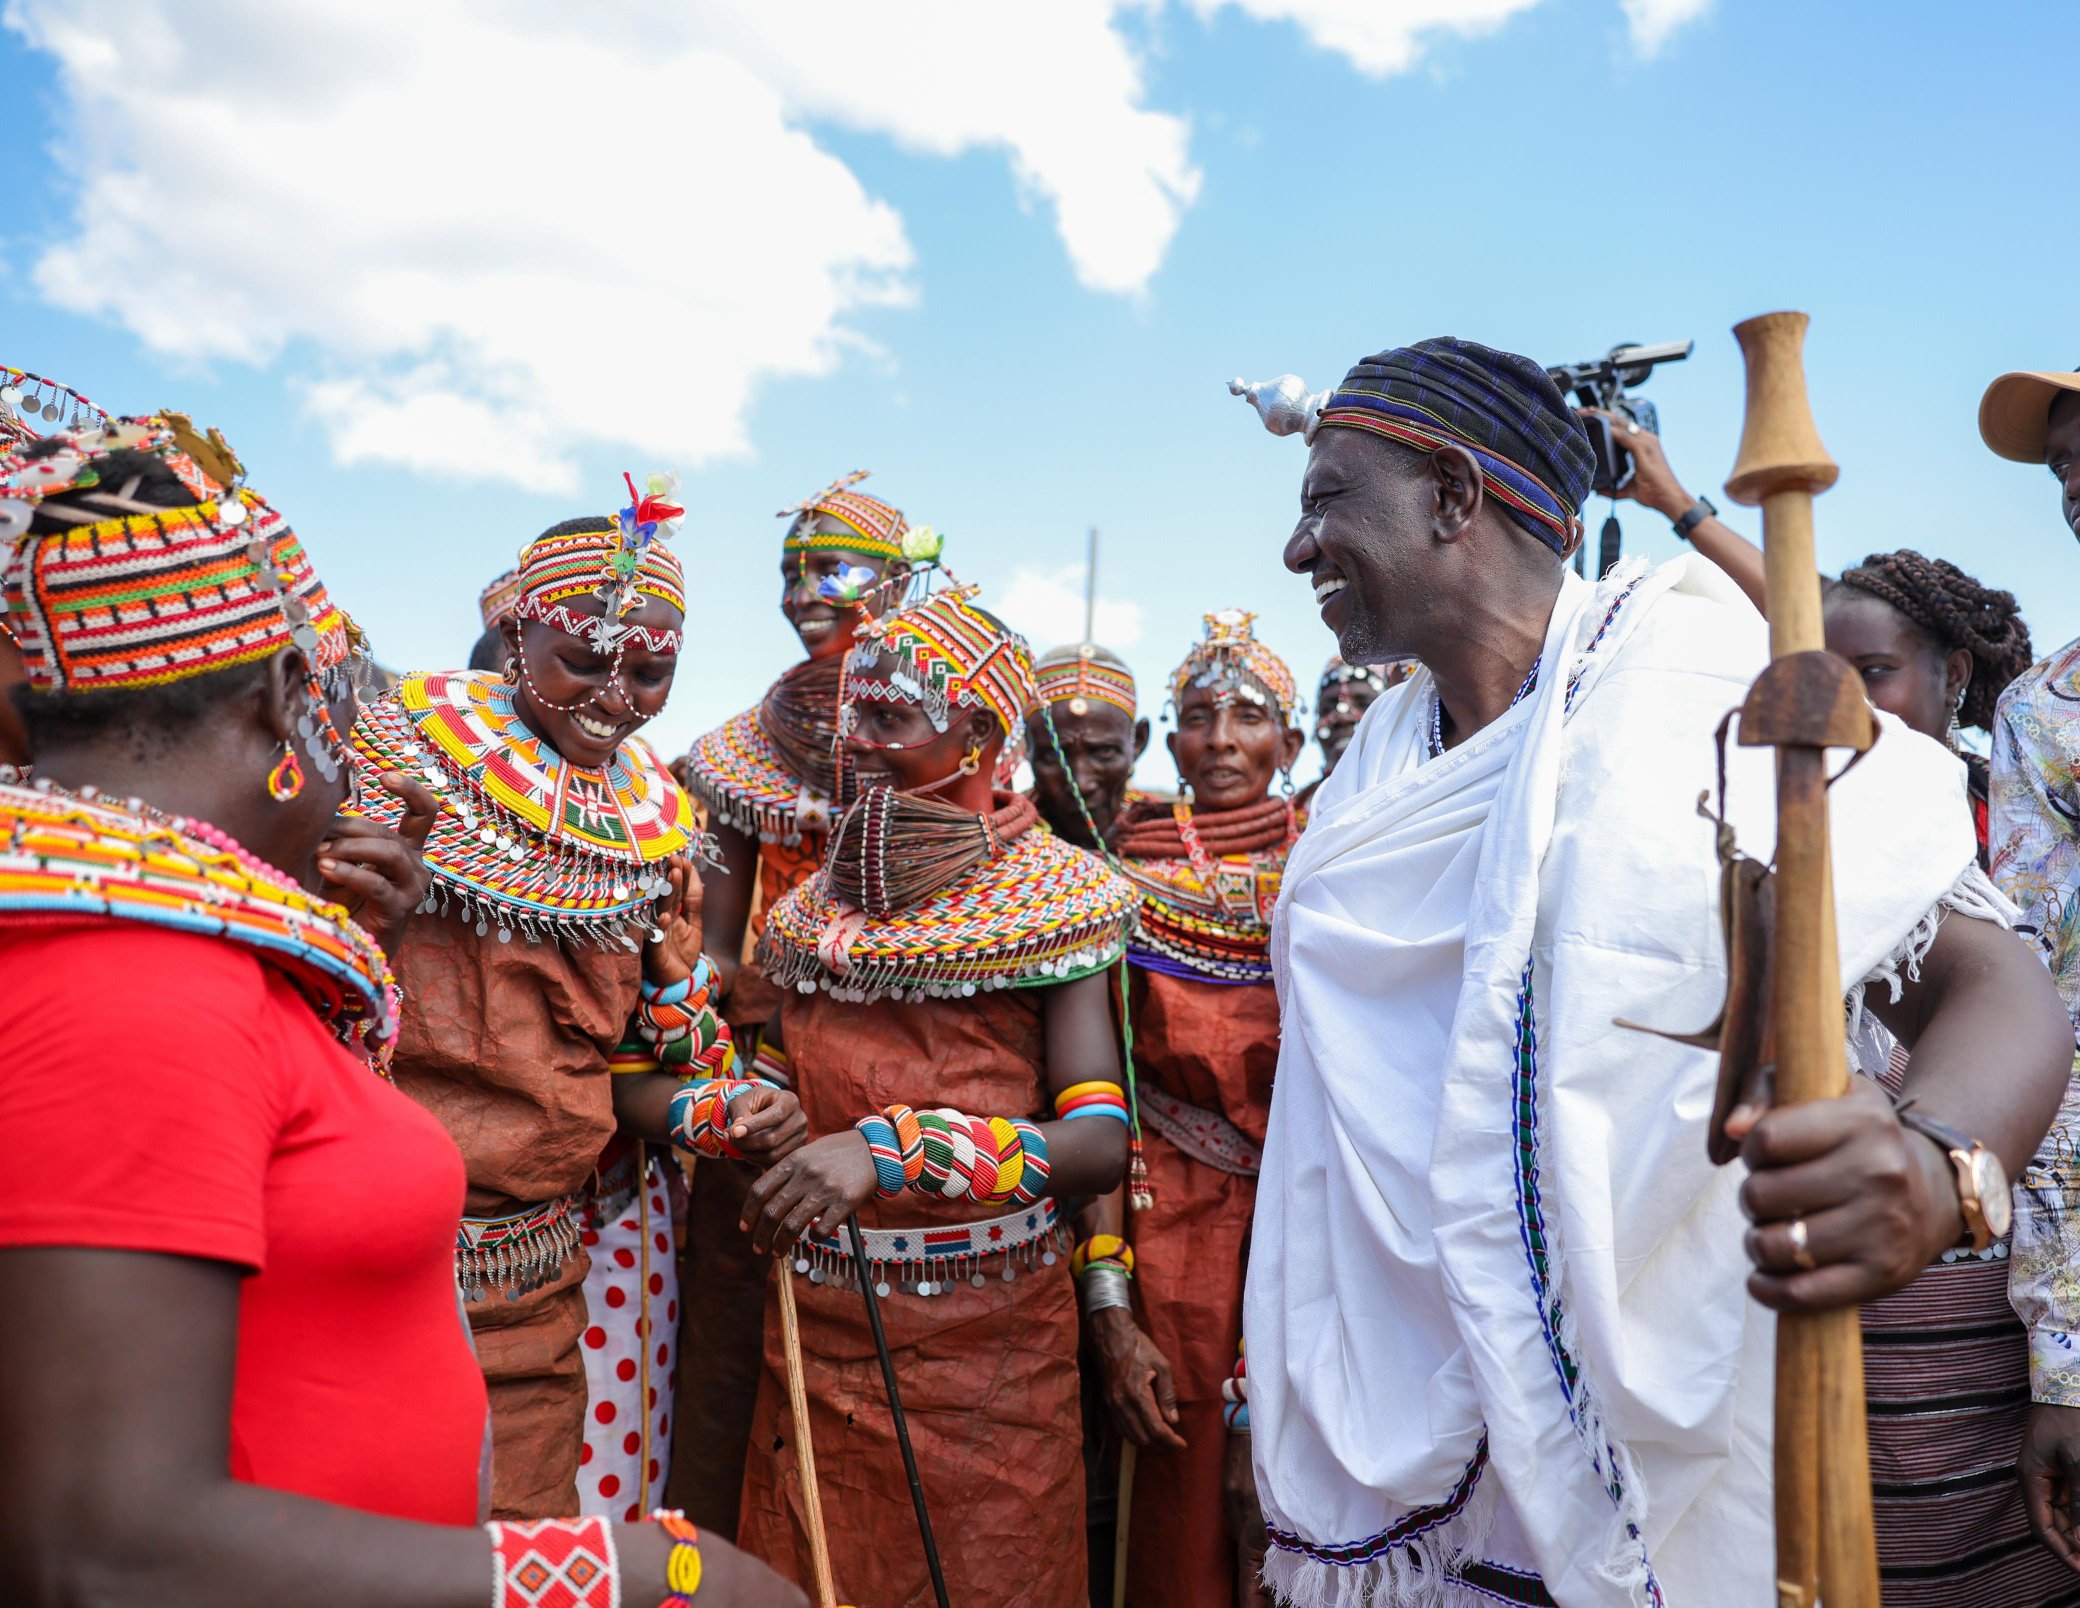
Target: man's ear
x=1459, y=488
x=1141, y=737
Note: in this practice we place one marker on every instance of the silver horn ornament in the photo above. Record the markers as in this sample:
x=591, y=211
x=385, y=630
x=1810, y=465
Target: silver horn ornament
x=1285, y=404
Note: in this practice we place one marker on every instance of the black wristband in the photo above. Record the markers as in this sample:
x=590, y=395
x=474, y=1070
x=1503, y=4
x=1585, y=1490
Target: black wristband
x=1697, y=513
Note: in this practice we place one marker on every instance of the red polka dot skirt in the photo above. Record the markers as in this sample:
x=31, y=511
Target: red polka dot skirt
x=630, y=1348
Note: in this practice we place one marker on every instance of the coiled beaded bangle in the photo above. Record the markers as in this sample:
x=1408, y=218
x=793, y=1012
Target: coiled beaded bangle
x=682, y=1570
x=952, y=1155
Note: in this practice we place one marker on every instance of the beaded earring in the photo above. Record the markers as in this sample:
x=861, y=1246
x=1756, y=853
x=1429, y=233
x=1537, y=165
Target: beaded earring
x=285, y=781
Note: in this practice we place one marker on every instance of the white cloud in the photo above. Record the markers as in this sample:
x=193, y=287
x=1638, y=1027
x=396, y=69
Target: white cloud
x=1379, y=37
x=1652, y=21
x=1384, y=37
x=496, y=234
x=1047, y=607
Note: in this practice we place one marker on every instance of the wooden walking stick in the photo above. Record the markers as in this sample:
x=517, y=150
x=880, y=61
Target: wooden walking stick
x=1122, y=1524
x=1806, y=702
x=804, y=1448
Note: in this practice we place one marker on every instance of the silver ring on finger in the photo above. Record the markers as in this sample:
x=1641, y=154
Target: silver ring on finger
x=1801, y=1246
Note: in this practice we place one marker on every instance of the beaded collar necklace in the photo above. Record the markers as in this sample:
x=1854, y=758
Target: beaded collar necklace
x=759, y=771
x=527, y=841
x=1207, y=915
x=1034, y=912
x=67, y=857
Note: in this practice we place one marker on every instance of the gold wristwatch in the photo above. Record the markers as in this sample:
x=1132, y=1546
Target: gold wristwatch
x=1982, y=1182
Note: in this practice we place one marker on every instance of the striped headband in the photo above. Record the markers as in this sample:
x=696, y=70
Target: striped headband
x=1502, y=408
x=145, y=599
x=1232, y=663
x=947, y=654
x=872, y=527
x=619, y=565
x=496, y=601
x=1074, y=676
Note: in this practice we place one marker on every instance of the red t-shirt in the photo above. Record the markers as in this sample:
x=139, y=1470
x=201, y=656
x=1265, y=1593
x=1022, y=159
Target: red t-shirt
x=169, y=1092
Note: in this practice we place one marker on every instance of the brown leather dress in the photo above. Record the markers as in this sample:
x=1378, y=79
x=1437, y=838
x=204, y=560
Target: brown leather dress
x=988, y=1375
x=1216, y=1046
x=507, y=1044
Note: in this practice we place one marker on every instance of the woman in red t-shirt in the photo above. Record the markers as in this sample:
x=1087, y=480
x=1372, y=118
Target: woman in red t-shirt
x=231, y=1359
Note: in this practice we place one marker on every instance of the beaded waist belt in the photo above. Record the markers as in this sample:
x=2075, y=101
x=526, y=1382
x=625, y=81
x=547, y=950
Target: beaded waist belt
x=1201, y=1134
x=926, y=1261
x=515, y=1254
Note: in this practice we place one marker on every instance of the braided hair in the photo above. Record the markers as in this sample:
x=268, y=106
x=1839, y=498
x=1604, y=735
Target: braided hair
x=1957, y=612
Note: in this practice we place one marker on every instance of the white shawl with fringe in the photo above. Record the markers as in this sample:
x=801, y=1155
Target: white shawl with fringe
x=1496, y=1310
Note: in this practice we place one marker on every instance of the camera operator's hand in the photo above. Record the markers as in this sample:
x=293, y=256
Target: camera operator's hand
x=1654, y=484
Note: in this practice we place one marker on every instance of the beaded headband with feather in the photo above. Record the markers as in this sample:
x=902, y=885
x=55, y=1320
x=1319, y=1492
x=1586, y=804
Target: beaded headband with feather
x=620, y=566
x=872, y=527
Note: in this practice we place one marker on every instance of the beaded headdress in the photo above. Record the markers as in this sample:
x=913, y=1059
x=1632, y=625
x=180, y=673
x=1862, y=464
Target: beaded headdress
x=1074, y=676
x=151, y=597
x=32, y=406
x=620, y=565
x=947, y=655
x=496, y=601
x=871, y=526
x=1232, y=663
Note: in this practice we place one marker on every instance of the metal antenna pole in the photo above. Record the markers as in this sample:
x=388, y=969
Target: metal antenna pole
x=1090, y=588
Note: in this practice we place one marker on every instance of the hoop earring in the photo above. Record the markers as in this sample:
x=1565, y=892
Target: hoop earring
x=1285, y=781
x=510, y=675
x=285, y=781
x=971, y=761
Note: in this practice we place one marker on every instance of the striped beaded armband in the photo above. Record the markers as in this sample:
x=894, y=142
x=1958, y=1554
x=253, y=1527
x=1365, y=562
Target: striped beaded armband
x=1235, y=1395
x=1102, y=1250
x=771, y=1065
x=682, y=1026
x=570, y=1562
x=682, y=1569
x=992, y=1160
x=887, y=1153
x=1092, y=1100
x=699, y=1116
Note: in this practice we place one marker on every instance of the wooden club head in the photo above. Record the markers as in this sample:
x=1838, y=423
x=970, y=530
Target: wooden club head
x=1780, y=444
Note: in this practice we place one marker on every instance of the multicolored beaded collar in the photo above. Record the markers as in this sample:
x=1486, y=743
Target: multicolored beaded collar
x=1205, y=915
x=1037, y=912
x=738, y=774
x=527, y=840
x=66, y=859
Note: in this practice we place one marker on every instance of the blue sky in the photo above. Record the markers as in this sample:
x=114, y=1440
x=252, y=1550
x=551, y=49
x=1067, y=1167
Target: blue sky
x=1025, y=274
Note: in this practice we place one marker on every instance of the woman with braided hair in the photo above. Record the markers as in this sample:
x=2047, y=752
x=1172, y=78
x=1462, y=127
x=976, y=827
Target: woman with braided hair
x=1946, y=1363
x=1934, y=647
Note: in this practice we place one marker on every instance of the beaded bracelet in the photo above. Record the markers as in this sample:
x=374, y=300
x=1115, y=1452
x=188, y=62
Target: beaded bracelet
x=949, y=1154
x=1102, y=1250
x=1235, y=1395
x=682, y=1026
x=1097, y=1099
x=771, y=1065
x=682, y=1569
x=554, y=1563
x=698, y=1118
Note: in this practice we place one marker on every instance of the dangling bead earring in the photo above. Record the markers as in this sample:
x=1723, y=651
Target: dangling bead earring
x=285, y=781
x=1956, y=709
x=971, y=761
x=1285, y=781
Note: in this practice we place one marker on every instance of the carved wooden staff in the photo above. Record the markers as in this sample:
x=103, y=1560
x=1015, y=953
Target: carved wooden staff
x=1806, y=702
x=804, y=1447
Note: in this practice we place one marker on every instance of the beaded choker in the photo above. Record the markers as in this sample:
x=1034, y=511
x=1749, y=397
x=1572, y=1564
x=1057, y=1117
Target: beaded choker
x=66, y=859
x=772, y=772
x=527, y=840
x=1034, y=912
x=1208, y=884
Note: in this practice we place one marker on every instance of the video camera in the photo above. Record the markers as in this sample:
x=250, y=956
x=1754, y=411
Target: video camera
x=1605, y=383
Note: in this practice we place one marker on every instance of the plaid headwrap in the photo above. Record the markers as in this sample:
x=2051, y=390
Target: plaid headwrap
x=1075, y=675
x=872, y=527
x=620, y=564
x=145, y=599
x=1500, y=407
x=1233, y=663
x=948, y=655
x=496, y=601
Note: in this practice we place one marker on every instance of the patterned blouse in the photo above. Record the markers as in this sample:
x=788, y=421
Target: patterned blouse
x=2034, y=834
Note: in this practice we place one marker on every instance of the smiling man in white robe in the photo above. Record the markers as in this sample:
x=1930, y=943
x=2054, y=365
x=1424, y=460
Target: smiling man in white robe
x=1509, y=1331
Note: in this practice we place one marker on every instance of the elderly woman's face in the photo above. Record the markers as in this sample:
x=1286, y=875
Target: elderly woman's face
x=1360, y=530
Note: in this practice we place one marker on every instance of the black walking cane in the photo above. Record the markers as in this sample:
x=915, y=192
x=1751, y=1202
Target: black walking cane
x=895, y=1408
